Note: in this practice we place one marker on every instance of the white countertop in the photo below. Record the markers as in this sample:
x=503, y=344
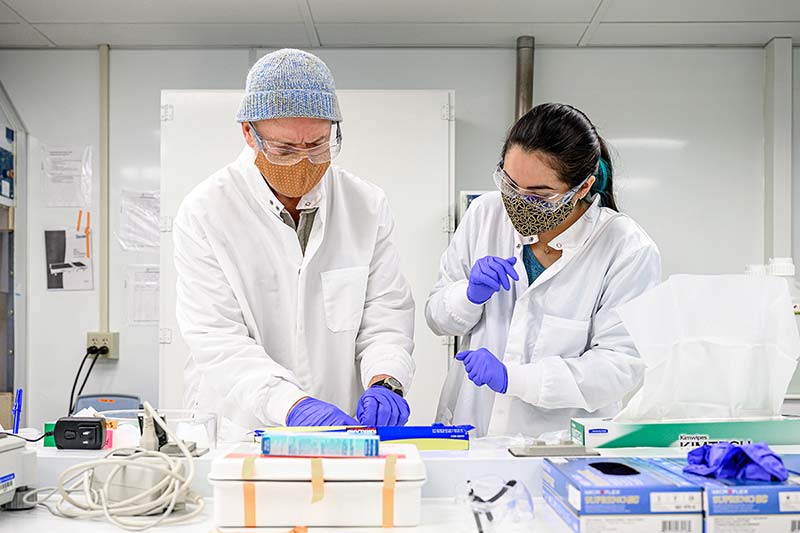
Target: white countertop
x=438, y=515
x=445, y=471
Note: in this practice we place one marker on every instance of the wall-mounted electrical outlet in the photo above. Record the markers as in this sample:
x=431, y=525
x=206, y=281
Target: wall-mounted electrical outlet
x=109, y=339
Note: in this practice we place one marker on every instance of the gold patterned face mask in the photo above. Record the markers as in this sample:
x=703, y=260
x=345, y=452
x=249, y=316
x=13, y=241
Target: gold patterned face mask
x=292, y=181
x=530, y=219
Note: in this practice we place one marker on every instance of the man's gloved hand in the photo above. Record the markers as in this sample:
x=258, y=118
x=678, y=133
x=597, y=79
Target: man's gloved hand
x=483, y=368
x=379, y=406
x=488, y=274
x=312, y=412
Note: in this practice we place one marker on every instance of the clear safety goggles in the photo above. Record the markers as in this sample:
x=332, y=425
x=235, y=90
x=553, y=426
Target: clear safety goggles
x=497, y=505
x=286, y=154
x=549, y=201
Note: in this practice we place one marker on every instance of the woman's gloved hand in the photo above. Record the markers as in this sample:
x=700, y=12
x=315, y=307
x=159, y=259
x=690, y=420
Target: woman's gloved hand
x=488, y=274
x=483, y=368
x=379, y=406
x=312, y=412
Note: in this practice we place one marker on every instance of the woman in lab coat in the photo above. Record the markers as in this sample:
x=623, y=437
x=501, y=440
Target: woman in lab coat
x=531, y=281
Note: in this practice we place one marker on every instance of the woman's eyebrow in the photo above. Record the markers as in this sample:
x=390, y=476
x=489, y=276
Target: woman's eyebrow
x=540, y=188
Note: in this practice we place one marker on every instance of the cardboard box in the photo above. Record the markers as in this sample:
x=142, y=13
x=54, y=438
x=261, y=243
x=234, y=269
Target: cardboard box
x=587, y=497
x=603, y=433
x=741, y=506
x=6, y=404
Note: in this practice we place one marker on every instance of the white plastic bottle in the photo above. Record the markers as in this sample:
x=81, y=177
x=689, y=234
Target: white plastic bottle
x=784, y=267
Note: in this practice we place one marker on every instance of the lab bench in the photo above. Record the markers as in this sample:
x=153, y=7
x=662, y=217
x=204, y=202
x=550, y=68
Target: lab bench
x=445, y=470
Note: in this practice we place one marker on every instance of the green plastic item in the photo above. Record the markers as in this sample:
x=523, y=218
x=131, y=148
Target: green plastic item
x=49, y=442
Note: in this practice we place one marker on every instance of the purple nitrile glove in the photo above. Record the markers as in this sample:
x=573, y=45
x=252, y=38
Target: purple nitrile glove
x=488, y=274
x=313, y=412
x=379, y=406
x=724, y=460
x=483, y=368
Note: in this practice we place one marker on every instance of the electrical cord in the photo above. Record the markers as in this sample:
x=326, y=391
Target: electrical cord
x=103, y=350
x=76, y=498
x=37, y=439
x=91, y=350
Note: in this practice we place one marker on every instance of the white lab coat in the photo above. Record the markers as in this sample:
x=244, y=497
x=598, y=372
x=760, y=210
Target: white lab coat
x=564, y=346
x=267, y=325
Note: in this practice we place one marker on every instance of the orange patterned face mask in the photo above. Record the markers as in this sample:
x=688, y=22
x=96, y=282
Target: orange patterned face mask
x=292, y=181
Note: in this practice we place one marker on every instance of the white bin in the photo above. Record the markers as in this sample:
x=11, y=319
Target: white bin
x=251, y=490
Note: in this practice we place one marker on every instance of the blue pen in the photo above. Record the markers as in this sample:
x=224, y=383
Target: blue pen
x=17, y=410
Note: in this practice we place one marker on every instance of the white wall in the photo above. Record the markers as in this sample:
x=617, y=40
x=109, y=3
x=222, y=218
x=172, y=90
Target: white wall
x=687, y=125
x=796, y=162
x=56, y=94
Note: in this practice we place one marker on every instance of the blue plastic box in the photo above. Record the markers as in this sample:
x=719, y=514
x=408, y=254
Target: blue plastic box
x=733, y=506
x=589, y=497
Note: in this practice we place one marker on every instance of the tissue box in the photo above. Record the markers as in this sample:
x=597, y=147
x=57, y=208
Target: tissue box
x=603, y=433
x=734, y=506
x=650, y=499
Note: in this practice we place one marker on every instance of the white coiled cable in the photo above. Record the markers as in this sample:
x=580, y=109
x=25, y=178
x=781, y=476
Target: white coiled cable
x=75, y=497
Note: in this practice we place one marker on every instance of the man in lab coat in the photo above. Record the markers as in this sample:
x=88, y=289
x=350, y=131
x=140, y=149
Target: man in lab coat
x=289, y=293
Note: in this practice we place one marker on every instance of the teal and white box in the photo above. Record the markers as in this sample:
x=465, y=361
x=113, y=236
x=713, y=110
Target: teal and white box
x=736, y=506
x=605, y=433
x=588, y=496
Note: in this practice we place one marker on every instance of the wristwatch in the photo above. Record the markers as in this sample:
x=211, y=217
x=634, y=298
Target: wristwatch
x=391, y=384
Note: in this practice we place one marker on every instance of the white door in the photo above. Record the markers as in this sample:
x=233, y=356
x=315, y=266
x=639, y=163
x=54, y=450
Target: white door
x=400, y=140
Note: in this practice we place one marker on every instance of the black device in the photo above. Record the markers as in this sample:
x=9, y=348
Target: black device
x=78, y=433
x=392, y=384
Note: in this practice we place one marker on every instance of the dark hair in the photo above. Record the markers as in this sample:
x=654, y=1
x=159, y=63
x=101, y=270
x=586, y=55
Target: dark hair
x=569, y=141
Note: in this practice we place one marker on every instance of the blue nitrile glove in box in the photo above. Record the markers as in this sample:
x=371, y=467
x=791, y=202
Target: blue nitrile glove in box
x=729, y=461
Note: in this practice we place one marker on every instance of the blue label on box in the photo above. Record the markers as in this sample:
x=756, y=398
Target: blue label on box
x=598, y=430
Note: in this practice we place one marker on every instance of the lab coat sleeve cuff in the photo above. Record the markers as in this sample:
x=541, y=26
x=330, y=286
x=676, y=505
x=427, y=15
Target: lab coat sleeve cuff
x=458, y=305
x=525, y=382
x=280, y=400
x=399, y=365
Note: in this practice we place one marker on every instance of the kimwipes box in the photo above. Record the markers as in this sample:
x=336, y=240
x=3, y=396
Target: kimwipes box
x=604, y=433
x=251, y=490
x=623, y=495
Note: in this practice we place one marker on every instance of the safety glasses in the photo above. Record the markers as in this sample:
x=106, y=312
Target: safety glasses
x=496, y=505
x=285, y=154
x=550, y=201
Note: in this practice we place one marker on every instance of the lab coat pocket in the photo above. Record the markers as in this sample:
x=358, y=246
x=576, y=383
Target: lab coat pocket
x=343, y=292
x=561, y=337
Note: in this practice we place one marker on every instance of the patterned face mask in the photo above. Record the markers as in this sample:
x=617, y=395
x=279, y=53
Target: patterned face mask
x=292, y=181
x=531, y=219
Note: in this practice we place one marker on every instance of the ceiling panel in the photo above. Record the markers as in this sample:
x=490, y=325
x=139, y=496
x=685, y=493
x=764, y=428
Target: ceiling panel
x=494, y=35
x=172, y=11
x=20, y=35
x=6, y=15
x=480, y=11
x=665, y=34
x=702, y=11
x=176, y=34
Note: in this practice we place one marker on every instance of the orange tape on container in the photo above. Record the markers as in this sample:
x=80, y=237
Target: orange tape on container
x=296, y=529
x=389, y=482
x=317, y=480
x=249, y=491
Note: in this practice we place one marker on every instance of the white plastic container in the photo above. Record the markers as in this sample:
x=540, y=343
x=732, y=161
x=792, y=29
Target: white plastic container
x=278, y=491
